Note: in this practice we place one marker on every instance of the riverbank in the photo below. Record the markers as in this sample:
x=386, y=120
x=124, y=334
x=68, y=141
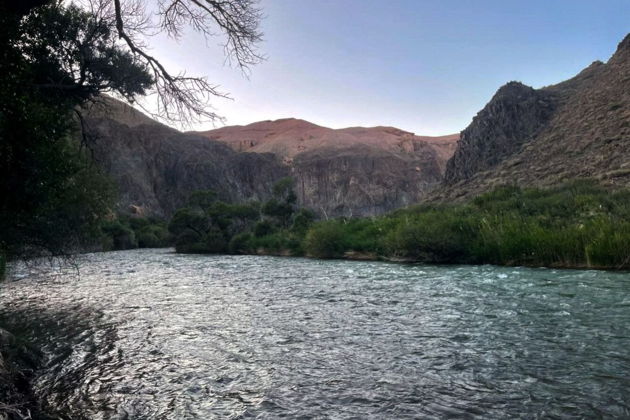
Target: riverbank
x=368, y=256
x=580, y=225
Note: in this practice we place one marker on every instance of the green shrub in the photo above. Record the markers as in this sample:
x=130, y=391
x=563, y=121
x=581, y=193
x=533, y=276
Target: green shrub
x=325, y=240
x=189, y=242
x=214, y=241
x=274, y=242
x=122, y=237
x=153, y=236
x=240, y=243
x=610, y=246
x=135, y=223
x=128, y=232
x=263, y=228
x=432, y=237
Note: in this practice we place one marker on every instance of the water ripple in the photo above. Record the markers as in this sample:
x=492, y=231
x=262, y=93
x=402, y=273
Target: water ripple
x=152, y=334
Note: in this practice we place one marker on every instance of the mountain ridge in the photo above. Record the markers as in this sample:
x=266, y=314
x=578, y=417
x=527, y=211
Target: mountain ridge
x=578, y=128
x=356, y=171
x=288, y=137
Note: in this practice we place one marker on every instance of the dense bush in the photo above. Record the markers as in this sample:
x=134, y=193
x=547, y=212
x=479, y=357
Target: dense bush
x=326, y=240
x=189, y=241
x=121, y=235
x=263, y=228
x=433, y=235
x=239, y=244
x=127, y=232
x=153, y=236
x=214, y=241
x=576, y=225
x=208, y=225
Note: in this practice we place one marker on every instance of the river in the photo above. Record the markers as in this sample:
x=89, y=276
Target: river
x=150, y=334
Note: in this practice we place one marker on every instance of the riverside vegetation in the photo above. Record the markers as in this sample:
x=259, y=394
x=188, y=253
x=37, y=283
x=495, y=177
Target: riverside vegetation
x=57, y=59
x=577, y=225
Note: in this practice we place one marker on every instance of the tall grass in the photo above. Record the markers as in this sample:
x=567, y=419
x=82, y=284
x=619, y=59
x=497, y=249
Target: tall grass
x=577, y=225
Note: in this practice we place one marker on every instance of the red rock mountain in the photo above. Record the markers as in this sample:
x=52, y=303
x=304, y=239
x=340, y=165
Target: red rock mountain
x=354, y=171
x=349, y=172
x=290, y=136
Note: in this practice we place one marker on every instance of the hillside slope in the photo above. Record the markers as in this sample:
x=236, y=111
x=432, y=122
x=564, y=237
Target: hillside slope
x=576, y=129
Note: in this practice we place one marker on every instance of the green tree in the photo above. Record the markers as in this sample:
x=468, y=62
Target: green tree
x=55, y=58
x=283, y=203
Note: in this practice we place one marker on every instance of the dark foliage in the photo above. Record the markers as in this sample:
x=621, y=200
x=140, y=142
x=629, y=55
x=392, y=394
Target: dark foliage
x=52, y=60
x=128, y=232
x=211, y=226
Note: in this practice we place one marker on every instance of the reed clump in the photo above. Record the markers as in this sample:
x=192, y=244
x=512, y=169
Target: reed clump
x=580, y=224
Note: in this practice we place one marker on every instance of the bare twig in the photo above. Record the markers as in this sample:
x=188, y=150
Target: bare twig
x=180, y=97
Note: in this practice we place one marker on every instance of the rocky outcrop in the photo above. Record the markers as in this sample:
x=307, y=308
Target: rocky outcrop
x=362, y=181
x=513, y=117
x=156, y=168
x=349, y=172
x=579, y=128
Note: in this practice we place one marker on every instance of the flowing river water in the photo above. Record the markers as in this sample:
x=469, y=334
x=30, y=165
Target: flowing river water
x=147, y=334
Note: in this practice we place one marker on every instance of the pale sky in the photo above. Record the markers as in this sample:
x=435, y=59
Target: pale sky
x=422, y=66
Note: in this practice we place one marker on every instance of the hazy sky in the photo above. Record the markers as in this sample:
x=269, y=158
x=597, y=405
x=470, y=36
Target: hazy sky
x=423, y=66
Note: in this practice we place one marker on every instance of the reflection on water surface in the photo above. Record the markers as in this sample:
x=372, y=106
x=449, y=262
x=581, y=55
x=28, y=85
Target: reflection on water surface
x=153, y=334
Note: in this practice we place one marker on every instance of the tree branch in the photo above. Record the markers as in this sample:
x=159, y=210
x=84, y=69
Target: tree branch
x=180, y=97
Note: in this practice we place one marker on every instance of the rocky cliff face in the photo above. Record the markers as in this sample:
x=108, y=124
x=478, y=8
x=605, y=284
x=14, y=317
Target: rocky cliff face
x=364, y=180
x=575, y=129
x=514, y=116
x=156, y=168
x=354, y=171
x=349, y=172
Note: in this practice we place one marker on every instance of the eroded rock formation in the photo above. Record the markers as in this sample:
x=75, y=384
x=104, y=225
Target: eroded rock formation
x=579, y=128
x=350, y=172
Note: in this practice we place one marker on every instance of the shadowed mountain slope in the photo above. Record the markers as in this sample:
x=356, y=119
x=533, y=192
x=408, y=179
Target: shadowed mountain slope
x=579, y=128
x=350, y=172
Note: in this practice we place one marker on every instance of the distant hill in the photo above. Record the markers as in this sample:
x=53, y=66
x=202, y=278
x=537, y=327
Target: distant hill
x=579, y=128
x=290, y=136
x=351, y=172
